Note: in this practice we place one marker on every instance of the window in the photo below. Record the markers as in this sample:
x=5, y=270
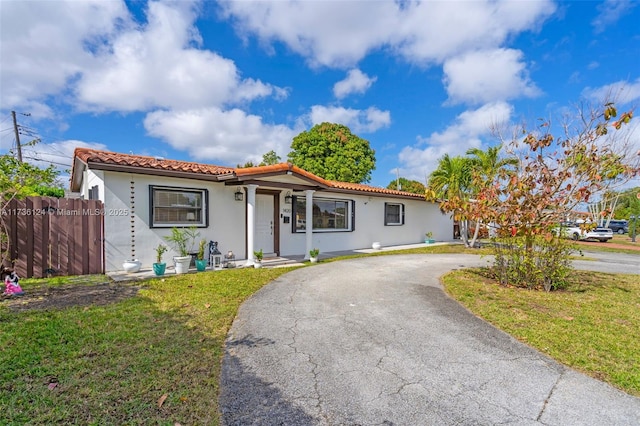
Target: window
x=393, y=214
x=328, y=215
x=178, y=207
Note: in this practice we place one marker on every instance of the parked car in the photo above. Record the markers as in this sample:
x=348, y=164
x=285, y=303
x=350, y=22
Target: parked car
x=581, y=233
x=619, y=226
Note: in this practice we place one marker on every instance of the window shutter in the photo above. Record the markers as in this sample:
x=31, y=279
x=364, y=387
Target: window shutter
x=386, y=221
x=402, y=212
x=353, y=216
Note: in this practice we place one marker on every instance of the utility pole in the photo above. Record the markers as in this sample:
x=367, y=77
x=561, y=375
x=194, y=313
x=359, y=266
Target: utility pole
x=15, y=129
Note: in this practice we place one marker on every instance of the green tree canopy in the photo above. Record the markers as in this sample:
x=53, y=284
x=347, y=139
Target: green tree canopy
x=270, y=158
x=332, y=152
x=407, y=185
x=628, y=204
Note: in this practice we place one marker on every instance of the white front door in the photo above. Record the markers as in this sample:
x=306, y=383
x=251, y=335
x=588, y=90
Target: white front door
x=264, y=223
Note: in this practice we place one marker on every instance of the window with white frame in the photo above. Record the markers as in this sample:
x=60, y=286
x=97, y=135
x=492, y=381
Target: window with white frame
x=393, y=214
x=178, y=206
x=328, y=215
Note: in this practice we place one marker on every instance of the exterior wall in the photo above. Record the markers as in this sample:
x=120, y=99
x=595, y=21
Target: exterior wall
x=420, y=217
x=226, y=218
x=92, y=178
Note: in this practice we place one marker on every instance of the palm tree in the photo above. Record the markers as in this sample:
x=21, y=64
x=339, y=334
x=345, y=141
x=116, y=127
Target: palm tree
x=487, y=167
x=451, y=183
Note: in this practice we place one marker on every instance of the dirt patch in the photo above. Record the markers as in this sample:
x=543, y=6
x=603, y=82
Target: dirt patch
x=67, y=296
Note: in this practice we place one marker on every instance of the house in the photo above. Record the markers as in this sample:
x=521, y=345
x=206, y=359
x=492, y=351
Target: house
x=279, y=208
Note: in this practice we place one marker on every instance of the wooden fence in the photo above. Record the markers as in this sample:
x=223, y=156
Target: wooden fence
x=55, y=236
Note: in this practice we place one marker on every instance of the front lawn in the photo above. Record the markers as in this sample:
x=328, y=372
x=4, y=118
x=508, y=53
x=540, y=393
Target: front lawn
x=592, y=326
x=155, y=358
x=151, y=359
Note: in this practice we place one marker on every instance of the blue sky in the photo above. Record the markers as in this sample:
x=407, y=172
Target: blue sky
x=223, y=83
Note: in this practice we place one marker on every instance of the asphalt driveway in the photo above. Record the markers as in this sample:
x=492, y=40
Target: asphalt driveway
x=375, y=341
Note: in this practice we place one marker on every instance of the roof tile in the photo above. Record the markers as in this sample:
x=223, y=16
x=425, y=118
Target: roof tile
x=88, y=155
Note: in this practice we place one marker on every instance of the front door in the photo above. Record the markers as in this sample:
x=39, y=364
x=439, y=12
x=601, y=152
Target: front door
x=265, y=227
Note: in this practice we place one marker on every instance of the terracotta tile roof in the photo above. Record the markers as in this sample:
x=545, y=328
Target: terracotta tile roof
x=278, y=168
x=284, y=167
x=87, y=155
x=372, y=189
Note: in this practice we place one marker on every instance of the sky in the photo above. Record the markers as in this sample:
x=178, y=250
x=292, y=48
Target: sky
x=225, y=82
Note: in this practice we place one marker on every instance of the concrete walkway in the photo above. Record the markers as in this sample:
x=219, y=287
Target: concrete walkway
x=375, y=341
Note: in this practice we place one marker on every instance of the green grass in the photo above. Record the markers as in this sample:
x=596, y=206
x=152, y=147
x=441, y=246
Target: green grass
x=592, y=326
x=112, y=363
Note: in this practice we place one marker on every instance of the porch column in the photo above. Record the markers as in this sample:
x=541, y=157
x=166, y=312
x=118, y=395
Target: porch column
x=309, y=222
x=251, y=222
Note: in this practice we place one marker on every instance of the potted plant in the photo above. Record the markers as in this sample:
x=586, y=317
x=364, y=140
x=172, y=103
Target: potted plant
x=201, y=264
x=313, y=255
x=182, y=240
x=257, y=256
x=159, y=267
x=429, y=238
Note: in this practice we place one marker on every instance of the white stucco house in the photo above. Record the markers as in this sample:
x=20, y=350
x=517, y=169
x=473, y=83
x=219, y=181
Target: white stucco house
x=280, y=208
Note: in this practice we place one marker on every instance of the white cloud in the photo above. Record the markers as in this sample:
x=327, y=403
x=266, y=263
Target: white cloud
x=421, y=32
x=468, y=131
x=359, y=121
x=92, y=55
x=355, y=82
x=610, y=12
x=224, y=137
x=620, y=92
x=160, y=65
x=45, y=45
x=486, y=76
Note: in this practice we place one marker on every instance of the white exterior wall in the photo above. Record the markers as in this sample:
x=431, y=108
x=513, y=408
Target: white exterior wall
x=420, y=217
x=92, y=178
x=226, y=218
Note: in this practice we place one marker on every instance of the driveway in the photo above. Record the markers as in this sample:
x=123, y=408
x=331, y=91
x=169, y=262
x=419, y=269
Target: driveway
x=375, y=341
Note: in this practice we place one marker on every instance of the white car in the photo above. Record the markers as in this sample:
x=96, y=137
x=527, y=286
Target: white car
x=577, y=233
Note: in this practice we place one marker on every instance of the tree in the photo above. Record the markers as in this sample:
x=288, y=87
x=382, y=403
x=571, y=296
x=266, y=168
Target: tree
x=487, y=167
x=407, y=185
x=270, y=158
x=451, y=184
x=19, y=180
x=332, y=152
x=554, y=175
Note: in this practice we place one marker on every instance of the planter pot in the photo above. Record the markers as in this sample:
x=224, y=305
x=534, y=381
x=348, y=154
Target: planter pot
x=159, y=268
x=257, y=264
x=131, y=266
x=313, y=259
x=182, y=264
x=429, y=241
x=201, y=265
x=376, y=245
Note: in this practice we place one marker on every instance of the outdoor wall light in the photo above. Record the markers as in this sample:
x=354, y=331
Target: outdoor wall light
x=239, y=196
x=288, y=198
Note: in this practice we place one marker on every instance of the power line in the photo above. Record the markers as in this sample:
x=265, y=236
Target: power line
x=47, y=161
